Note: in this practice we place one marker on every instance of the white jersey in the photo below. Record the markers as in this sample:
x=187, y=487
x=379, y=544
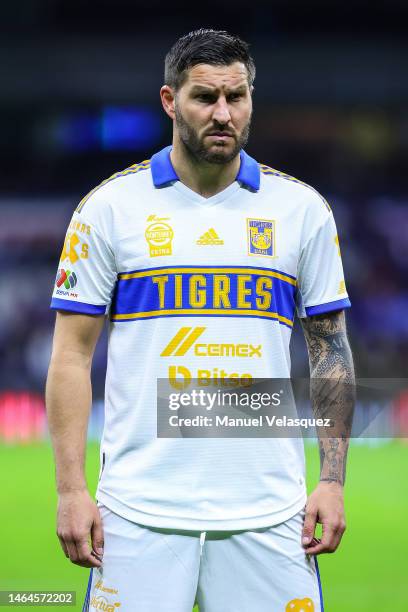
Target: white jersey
x=182, y=276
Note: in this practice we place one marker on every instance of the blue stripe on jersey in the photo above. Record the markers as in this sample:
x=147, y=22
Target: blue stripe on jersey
x=320, y=585
x=328, y=307
x=85, y=607
x=81, y=307
x=205, y=291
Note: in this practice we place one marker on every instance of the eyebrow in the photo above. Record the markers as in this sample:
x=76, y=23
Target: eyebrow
x=207, y=89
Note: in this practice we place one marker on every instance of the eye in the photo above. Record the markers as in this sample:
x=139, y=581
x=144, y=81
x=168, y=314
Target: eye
x=235, y=96
x=205, y=97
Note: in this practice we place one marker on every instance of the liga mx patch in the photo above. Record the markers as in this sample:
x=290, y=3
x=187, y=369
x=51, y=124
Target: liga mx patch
x=261, y=237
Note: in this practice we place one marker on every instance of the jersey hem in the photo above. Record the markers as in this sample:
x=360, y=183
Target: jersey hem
x=327, y=307
x=80, y=307
x=189, y=524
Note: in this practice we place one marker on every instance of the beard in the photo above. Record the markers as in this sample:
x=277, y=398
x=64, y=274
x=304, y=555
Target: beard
x=196, y=147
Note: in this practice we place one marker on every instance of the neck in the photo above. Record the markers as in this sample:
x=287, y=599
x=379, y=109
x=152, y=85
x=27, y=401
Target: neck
x=202, y=177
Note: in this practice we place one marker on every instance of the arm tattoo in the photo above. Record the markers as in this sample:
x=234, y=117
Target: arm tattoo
x=332, y=389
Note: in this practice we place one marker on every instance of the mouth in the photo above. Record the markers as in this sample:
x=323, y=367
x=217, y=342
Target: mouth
x=220, y=135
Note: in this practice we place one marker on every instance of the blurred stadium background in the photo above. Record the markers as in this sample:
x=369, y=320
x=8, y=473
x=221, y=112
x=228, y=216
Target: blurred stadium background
x=79, y=101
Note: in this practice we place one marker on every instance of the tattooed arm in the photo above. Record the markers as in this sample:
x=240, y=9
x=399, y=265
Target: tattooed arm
x=332, y=385
x=332, y=394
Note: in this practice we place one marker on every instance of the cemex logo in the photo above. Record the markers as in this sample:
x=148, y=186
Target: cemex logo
x=186, y=337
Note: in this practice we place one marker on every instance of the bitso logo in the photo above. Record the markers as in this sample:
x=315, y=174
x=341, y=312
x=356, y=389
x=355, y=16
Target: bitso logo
x=159, y=236
x=100, y=602
x=67, y=278
x=300, y=605
x=261, y=237
x=180, y=377
x=210, y=238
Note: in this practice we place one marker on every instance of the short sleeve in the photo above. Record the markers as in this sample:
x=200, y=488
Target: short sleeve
x=87, y=273
x=321, y=285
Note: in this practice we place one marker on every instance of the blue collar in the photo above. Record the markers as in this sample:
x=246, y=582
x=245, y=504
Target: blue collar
x=163, y=171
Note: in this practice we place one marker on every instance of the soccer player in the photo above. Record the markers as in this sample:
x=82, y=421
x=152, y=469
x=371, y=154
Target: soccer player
x=197, y=249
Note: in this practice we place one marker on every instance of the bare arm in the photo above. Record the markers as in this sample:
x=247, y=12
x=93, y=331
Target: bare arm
x=332, y=394
x=68, y=400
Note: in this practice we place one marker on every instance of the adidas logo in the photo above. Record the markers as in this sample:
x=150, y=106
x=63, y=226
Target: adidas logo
x=210, y=237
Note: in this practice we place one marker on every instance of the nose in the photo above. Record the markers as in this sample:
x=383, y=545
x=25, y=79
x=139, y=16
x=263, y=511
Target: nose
x=221, y=112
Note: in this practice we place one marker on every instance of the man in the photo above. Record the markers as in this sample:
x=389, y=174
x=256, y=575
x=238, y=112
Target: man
x=199, y=247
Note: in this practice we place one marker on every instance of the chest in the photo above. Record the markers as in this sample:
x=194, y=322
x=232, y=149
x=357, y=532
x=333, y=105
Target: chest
x=247, y=229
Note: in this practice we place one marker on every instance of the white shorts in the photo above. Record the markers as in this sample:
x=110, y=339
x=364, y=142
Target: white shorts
x=161, y=570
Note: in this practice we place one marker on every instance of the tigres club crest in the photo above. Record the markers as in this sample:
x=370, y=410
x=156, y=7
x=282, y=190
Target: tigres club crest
x=261, y=237
x=159, y=236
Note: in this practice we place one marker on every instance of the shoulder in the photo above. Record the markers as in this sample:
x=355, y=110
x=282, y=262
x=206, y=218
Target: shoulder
x=111, y=188
x=306, y=194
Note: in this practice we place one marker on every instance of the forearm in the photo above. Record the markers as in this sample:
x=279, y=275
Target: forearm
x=332, y=395
x=68, y=400
x=332, y=390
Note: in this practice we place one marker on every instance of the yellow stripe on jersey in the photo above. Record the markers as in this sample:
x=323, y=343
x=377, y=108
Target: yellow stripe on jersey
x=268, y=170
x=200, y=311
x=202, y=270
x=144, y=165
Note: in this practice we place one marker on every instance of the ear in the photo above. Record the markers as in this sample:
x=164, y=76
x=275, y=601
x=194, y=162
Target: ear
x=167, y=96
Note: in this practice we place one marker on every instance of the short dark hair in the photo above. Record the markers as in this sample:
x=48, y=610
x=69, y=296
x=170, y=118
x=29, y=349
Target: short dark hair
x=205, y=46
